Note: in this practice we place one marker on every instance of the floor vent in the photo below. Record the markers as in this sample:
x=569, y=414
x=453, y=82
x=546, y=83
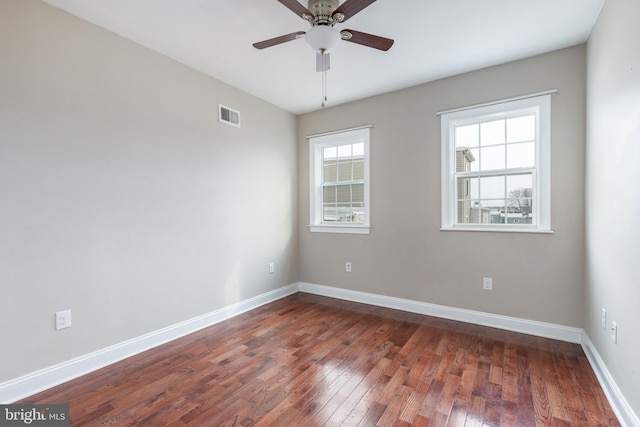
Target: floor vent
x=228, y=115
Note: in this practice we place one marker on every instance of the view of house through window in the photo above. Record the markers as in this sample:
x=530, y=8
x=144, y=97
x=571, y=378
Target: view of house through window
x=343, y=183
x=504, y=152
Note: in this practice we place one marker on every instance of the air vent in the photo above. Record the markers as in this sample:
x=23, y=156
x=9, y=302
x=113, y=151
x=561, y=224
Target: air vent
x=228, y=115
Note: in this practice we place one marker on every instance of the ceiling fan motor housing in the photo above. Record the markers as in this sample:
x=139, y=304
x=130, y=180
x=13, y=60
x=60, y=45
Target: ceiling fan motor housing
x=323, y=11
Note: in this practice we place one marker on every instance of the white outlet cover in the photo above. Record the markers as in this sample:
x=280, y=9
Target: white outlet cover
x=63, y=319
x=614, y=332
x=487, y=283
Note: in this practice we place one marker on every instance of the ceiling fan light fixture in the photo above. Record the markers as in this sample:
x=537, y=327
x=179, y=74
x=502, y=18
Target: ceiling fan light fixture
x=323, y=38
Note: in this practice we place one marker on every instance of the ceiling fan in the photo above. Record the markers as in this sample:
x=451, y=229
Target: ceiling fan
x=323, y=15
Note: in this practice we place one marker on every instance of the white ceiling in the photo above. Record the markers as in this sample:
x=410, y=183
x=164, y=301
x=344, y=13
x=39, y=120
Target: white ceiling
x=433, y=39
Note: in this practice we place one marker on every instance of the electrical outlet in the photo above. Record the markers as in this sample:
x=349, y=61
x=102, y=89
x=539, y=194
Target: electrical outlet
x=614, y=332
x=603, y=320
x=487, y=283
x=348, y=267
x=63, y=319
x=272, y=267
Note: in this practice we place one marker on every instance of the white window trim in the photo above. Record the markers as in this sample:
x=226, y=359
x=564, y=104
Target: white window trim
x=316, y=144
x=541, y=105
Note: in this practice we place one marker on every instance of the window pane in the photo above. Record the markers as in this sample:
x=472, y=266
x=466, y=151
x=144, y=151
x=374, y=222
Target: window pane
x=520, y=183
x=329, y=194
x=467, y=136
x=358, y=170
x=474, y=188
x=464, y=188
x=464, y=159
x=357, y=195
x=492, y=133
x=520, y=195
x=521, y=129
x=329, y=213
x=330, y=172
x=343, y=194
x=329, y=153
x=358, y=150
x=344, y=203
x=473, y=212
x=344, y=151
x=492, y=187
x=521, y=155
x=344, y=171
x=492, y=158
x=479, y=215
x=464, y=211
x=475, y=165
x=468, y=188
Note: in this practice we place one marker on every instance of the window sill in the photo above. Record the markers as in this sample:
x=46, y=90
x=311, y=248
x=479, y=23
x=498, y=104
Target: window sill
x=498, y=230
x=341, y=229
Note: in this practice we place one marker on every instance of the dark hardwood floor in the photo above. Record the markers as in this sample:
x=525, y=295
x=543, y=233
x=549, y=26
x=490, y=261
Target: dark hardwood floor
x=311, y=361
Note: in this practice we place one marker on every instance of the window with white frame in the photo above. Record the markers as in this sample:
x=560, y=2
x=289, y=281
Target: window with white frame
x=339, y=182
x=496, y=166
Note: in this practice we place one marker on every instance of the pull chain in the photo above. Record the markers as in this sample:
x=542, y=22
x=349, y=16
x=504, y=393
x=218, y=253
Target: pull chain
x=324, y=87
x=322, y=64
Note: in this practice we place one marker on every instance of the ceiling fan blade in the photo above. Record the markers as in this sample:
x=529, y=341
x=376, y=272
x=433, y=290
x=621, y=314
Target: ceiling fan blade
x=323, y=61
x=365, y=39
x=277, y=40
x=297, y=8
x=351, y=7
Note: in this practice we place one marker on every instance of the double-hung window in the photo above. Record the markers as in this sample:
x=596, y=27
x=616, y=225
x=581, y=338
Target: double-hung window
x=339, y=182
x=496, y=166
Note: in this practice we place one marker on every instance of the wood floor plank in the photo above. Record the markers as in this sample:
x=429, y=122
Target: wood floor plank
x=361, y=411
x=475, y=412
x=394, y=407
x=458, y=414
x=307, y=360
x=541, y=404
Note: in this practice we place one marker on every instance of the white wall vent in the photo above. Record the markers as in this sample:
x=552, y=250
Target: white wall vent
x=228, y=115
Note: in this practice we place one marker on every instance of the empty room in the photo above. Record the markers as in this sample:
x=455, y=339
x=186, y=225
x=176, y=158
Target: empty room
x=320, y=212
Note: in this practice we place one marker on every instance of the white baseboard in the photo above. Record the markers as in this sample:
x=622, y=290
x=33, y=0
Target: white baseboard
x=43, y=379
x=626, y=415
x=531, y=327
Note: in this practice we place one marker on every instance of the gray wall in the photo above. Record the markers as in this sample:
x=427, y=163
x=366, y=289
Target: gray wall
x=613, y=191
x=536, y=276
x=122, y=196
